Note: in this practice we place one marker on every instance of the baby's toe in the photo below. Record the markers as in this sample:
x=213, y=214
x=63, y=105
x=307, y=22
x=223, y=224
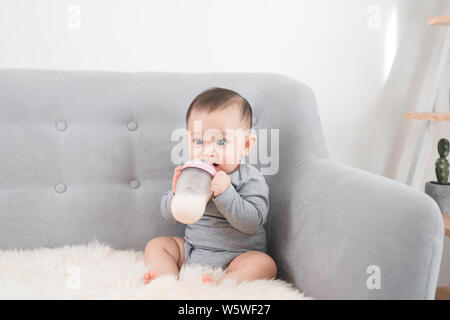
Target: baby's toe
x=207, y=277
x=149, y=276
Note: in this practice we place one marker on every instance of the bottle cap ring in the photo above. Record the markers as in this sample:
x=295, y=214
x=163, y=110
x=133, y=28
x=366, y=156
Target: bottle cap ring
x=200, y=164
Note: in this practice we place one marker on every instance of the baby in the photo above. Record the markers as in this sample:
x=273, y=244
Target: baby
x=230, y=234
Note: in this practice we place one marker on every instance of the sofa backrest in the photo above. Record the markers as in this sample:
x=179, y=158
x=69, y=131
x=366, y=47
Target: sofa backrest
x=87, y=155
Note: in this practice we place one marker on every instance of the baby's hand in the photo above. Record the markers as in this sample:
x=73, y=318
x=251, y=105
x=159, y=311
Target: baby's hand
x=220, y=183
x=176, y=174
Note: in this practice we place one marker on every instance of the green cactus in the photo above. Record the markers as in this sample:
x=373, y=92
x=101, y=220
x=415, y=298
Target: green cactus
x=442, y=163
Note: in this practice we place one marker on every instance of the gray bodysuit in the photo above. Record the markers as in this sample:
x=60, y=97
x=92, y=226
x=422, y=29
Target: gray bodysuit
x=232, y=222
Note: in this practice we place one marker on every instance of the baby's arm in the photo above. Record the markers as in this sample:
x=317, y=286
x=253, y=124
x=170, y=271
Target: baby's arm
x=247, y=210
x=165, y=206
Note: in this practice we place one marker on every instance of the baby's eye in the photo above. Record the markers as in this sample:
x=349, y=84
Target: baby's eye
x=221, y=142
x=197, y=141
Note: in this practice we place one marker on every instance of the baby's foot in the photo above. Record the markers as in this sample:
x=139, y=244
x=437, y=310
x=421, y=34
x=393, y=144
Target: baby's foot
x=149, y=276
x=206, y=277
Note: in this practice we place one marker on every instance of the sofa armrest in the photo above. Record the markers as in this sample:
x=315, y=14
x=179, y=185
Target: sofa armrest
x=352, y=234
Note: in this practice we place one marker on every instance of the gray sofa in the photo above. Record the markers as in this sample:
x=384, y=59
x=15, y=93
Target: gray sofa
x=87, y=155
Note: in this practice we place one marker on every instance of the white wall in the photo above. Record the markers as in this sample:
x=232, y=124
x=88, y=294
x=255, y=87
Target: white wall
x=368, y=61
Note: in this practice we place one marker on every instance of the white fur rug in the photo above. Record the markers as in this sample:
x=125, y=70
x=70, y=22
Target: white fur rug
x=95, y=271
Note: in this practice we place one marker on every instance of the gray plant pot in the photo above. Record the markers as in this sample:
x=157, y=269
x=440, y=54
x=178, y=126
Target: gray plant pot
x=440, y=193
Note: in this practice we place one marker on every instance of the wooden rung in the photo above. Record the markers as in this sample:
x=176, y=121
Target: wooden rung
x=439, y=20
x=444, y=116
x=446, y=217
x=443, y=293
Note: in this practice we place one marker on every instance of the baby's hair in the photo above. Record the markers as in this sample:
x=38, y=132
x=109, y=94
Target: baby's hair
x=216, y=98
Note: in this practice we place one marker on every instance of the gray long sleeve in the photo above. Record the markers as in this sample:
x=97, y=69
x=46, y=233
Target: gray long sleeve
x=247, y=209
x=166, y=211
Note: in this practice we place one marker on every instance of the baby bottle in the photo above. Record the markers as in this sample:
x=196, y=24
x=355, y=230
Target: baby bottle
x=193, y=191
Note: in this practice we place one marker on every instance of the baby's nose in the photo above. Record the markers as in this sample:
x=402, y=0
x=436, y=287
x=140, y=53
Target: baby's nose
x=209, y=148
x=209, y=152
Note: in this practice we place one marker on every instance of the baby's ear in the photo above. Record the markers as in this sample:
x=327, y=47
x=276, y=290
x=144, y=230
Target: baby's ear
x=250, y=143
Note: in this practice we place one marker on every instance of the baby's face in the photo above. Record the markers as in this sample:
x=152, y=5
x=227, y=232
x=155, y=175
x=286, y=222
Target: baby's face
x=219, y=137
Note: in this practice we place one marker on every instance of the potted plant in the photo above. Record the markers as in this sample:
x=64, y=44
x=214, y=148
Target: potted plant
x=440, y=190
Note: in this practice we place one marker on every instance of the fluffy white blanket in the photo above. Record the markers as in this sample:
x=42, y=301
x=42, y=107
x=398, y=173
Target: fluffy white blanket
x=96, y=271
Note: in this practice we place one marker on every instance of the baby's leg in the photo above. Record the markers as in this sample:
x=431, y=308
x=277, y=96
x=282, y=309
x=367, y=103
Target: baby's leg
x=250, y=265
x=165, y=255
